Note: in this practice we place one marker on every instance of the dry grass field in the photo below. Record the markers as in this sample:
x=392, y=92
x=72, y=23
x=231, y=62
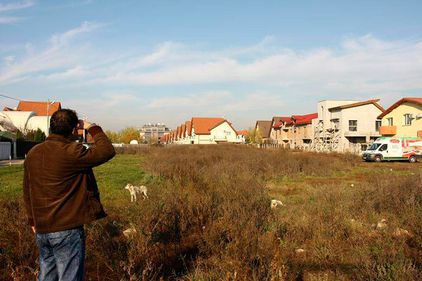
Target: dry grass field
x=208, y=217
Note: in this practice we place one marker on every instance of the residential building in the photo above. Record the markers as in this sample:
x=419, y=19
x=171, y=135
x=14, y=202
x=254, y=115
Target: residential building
x=302, y=131
x=203, y=130
x=153, y=131
x=346, y=126
x=242, y=136
x=403, y=118
x=281, y=131
x=263, y=128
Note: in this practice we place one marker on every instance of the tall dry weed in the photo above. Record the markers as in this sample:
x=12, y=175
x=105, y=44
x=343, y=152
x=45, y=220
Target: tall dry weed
x=209, y=218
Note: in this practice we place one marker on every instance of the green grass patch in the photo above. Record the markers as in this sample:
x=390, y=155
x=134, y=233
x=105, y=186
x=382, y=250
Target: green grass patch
x=111, y=178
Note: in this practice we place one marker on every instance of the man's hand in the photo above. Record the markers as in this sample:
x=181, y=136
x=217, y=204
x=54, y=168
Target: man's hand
x=33, y=229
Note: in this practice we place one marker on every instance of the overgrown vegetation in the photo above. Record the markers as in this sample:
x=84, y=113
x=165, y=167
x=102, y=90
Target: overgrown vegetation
x=31, y=135
x=209, y=218
x=125, y=135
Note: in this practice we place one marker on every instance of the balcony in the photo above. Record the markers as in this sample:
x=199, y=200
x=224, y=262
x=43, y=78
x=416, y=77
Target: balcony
x=388, y=130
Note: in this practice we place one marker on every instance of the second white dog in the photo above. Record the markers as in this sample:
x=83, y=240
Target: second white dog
x=133, y=190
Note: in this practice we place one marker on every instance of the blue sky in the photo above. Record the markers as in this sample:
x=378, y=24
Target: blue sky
x=124, y=63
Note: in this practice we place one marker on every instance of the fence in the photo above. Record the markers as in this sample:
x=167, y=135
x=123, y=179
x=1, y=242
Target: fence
x=5, y=150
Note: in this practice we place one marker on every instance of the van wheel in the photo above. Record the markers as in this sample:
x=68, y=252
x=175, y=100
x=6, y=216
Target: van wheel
x=378, y=158
x=412, y=159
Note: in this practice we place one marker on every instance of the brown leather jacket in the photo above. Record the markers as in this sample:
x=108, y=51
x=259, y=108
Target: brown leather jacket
x=60, y=191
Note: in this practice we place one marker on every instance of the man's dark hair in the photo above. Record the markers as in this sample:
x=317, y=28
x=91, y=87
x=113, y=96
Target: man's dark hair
x=63, y=122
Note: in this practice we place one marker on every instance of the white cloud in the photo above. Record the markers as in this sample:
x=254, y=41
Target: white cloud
x=58, y=57
x=361, y=63
x=197, y=100
x=9, y=20
x=62, y=39
x=16, y=6
x=13, y=6
x=256, y=80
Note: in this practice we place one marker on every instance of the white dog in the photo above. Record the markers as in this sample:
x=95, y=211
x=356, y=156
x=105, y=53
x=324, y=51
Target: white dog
x=133, y=190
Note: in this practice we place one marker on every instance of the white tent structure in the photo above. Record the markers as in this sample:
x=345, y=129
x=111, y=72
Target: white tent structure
x=23, y=121
x=39, y=122
x=6, y=124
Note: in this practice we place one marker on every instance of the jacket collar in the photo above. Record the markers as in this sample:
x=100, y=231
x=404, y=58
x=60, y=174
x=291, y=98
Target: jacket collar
x=56, y=137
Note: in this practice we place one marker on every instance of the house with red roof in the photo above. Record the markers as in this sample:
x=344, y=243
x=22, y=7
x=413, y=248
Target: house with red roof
x=403, y=118
x=281, y=131
x=302, y=130
x=204, y=130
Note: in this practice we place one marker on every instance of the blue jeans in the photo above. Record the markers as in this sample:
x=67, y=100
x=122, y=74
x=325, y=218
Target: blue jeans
x=62, y=255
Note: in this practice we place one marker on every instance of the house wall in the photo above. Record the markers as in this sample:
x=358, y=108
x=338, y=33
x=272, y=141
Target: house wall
x=324, y=114
x=222, y=133
x=282, y=135
x=366, y=117
x=302, y=135
x=398, y=119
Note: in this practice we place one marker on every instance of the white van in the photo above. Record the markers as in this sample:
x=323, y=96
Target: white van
x=394, y=149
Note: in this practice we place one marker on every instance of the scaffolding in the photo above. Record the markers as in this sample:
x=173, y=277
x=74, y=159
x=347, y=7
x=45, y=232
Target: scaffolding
x=326, y=140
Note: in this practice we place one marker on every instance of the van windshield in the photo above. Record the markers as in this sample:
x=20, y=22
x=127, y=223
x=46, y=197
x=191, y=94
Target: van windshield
x=374, y=146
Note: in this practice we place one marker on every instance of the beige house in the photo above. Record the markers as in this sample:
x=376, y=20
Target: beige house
x=281, y=131
x=346, y=126
x=403, y=119
x=302, y=131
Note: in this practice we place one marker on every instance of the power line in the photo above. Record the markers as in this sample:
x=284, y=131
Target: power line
x=1, y=95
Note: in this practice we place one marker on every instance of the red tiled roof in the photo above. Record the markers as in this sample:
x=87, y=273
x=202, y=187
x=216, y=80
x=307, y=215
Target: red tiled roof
x=304, y=119
x=243, y=133
x=399, y=102
x=39, y=107
x=8, y=109
x=356, y=104
x=203, y=125
x=183, y=130
x=279, y=121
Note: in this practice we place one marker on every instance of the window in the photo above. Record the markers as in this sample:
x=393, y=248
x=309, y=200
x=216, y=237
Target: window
x=408, y=119
x=383, y=147
x=377, y=125
x=390, y=121
x=353, y=125
x=374, y=146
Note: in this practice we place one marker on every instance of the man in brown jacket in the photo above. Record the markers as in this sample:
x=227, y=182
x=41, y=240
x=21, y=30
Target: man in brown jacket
x=61, y=194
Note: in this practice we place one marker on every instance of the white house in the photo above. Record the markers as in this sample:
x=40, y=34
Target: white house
x=346, y=126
